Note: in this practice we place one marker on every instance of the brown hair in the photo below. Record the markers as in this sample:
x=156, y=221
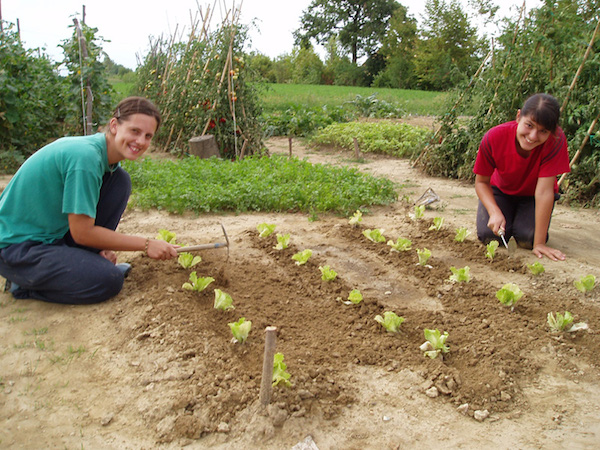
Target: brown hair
x=543, y=109
x=136, y=105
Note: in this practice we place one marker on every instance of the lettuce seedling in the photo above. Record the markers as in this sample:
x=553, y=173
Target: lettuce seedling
x=187, y=260
x=375, y=235
x=459, y=275
x=197, y=283
x=401, y=245
x=490, y=250
x=435, y=344
x=166, y=235
x=283, y=241
x=585, y=283
x=240, y=329
x=564, y=323
x=327, y=273
x=424, y=256
x=265, y=229
x=509, y=294
x=302, y=257
x=437, y=223
x=390, y=321
x=536, y=268
x=418, y=212
x=223, y=301
x=461, y=234
x=355, y=296
x=356, y=218
x=280, y=374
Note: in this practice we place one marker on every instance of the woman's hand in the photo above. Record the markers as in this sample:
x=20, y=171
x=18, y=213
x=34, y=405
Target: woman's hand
x=541, y=250
x=158, y=249
x=496, y=223
x=110, y=255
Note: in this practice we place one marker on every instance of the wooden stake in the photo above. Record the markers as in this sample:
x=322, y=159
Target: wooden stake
x=290, y=144
x=356, y=148
x=266, y=384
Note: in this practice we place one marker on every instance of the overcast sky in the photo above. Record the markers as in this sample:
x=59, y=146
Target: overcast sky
x=129, y=23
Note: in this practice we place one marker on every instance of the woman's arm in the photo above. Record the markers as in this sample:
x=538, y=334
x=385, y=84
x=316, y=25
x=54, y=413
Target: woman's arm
x=86, y=233
x=544, y=202
x=484, y=191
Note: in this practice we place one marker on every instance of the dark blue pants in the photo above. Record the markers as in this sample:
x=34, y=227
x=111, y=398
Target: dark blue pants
x=519, y=213
x=64, y=272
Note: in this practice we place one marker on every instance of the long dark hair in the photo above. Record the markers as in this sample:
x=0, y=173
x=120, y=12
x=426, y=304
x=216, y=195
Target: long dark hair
x=543, y=109
x=136, y=105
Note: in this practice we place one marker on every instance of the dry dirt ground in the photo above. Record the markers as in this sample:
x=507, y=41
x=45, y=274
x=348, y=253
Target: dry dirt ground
x=155, y=367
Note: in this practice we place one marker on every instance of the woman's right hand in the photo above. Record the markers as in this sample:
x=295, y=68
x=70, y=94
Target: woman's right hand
x=496, y=223
x=158, y=249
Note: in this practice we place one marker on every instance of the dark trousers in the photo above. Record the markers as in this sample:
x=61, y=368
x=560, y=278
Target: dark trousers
x=519, y=213
x=64, y=272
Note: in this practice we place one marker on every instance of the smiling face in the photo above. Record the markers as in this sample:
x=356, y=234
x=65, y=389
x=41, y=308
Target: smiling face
x=530, y=134
x=129, y=138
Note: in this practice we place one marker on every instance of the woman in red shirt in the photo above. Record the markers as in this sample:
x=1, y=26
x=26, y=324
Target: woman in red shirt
x=515, y=176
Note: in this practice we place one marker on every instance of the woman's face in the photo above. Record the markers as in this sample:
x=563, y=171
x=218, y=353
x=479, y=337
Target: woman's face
x=132, y=137
x=529, y=133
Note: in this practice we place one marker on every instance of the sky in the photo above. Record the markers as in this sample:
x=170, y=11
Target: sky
x=128, y=24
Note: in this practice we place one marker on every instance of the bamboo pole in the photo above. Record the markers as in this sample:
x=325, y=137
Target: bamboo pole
x=89, y=96
x=266, y=383
x=576, y=155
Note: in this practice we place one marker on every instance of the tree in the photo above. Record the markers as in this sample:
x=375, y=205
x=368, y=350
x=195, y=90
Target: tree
x=359, y=25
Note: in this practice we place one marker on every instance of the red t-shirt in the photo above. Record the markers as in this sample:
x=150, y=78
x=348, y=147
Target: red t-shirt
x=512, y=173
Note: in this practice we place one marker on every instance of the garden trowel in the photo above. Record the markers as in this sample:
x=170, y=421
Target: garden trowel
x=511, y=246
x=192, y=248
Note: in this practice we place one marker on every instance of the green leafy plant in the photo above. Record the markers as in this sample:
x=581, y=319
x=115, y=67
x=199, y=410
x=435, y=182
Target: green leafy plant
x=401, y=245
x=302, y=257
x=375, y=235
x=280, y=374
x=196, y=283
x=460, y=275
x=564, y=322
x=423, y=256
x=436, y=343
x=283, y=241
x=536, y=268
x=585, y=283
x=166, y=235
x=461, y=234
x=240, y=329
x=438, y=222
x=390, y=321
x=187, y=260
x=223, y=301
x=490, y=250
x=327, y=273
x=509, y=294
x=418, y=213
x=356, y=218
x=265, y=229
x=355, y=296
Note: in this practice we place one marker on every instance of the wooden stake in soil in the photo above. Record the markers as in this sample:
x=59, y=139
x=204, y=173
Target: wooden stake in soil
x=356, y=148
x=266, y=384
x=290, y=142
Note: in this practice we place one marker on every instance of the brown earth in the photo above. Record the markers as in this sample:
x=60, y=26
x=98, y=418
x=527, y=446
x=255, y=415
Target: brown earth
x=155, y=367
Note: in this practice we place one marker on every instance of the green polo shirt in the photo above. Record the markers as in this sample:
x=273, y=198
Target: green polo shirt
x=62, y=178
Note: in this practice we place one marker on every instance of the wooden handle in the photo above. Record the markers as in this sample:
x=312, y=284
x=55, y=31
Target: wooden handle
x=191, y=248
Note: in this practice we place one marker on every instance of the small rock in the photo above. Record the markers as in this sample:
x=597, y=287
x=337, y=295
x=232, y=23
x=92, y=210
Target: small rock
x=386, y=418
x=505, y=396
x=107, y=419
x=432, y=392
x=463, y=409
x=223, y=427
x=480, y=415
x=305, y=394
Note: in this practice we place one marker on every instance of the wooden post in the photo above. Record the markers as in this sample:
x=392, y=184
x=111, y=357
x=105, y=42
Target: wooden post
x=356, y=148
x=87, y=125
x=266, y=384
x=290, y=144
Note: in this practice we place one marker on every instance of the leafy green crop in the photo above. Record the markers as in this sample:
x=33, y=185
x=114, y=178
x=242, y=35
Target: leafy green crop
x=280, y=374
x=302, y=257
x=240, y=329
x=459, y=275
x=461, y=234
x=401, y=245
x=223, y=301
x=418, y=213
x=356, y=218
x=327, y=273
x=536, y=268
x=187, y=260
x=166, y=235
x=196, y=283
x=436, y=343
x=355, y=296
x=560, y=322
x=585, y=283
x=509, y=294
x=438, y=222
x=390, y=321
x=375, y=235
x=490, y=250
x=424, y=256
x=283, y=241
x=265, y=229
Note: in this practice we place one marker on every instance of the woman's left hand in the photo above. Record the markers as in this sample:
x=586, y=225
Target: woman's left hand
x=541, y=250
x=110, y=255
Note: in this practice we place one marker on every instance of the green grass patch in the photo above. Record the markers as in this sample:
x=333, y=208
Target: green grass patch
x=276, y=183
x=386, y=137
